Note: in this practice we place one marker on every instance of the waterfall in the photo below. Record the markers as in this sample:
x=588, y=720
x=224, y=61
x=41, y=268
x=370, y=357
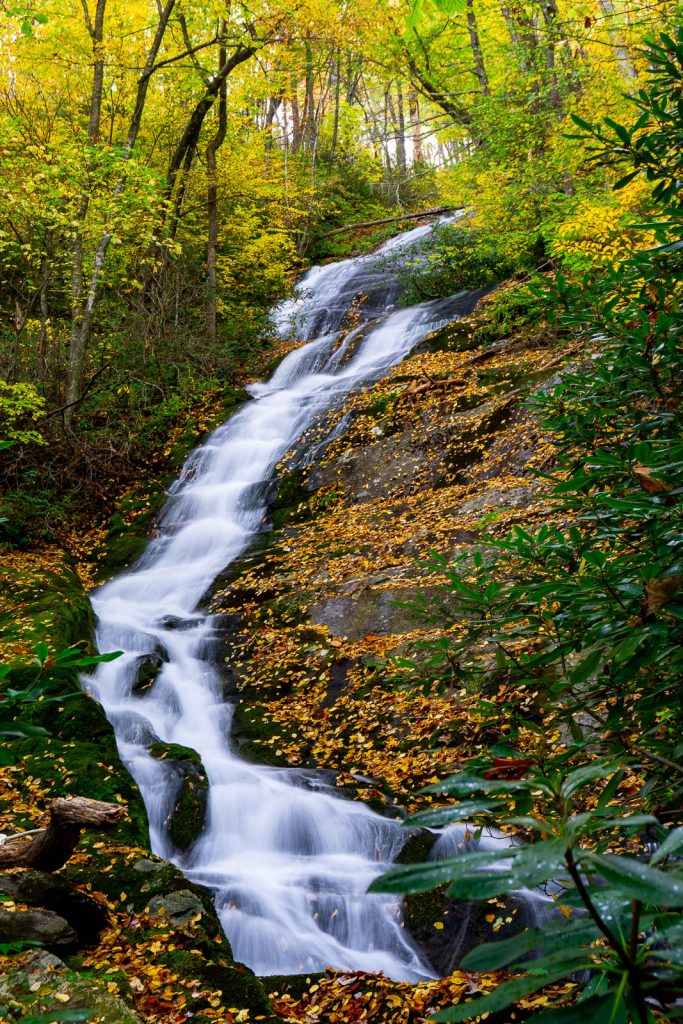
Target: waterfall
x=289, y=861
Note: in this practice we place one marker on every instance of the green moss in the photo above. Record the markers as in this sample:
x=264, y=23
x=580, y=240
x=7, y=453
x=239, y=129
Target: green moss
x=422, y=909
x=259, y=752
x=188, y=817
x=239, y=986
x=54, y=606
x=251, y=721
x=417, y=847
x=291, y=503
x=176, y=752
x=295, y=985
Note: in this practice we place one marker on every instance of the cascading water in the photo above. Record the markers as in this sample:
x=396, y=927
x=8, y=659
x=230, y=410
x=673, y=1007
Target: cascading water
x=290, y=862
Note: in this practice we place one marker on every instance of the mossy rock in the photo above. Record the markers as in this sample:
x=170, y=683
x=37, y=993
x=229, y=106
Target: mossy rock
x=259, y=752
x=291, y=502
x=238, y=985
x=187, y=819
x=417, y=846
x=294, y=985
x=54, y=608
x=251, y=722
x=30, y=990
x=445, y=929
x=86, y=916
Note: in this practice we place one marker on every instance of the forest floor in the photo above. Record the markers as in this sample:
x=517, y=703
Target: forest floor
x=432, y=458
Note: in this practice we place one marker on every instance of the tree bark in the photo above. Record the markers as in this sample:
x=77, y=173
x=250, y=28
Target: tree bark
x=337, y=103
x=457, y=113
x=212, y=204
x=78, y=344
x=477, y=53
x=400, y=132
x=184, y=153
x=435, y=211
x=83, y=321
x=626, y=65
x=414, y=110
x=50, y=848
x=523, y=36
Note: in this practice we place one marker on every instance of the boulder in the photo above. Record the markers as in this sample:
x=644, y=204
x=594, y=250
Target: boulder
x=41, y=983
x=176, y=907
x=86, y=916
x=187, y=817
x=51, y=930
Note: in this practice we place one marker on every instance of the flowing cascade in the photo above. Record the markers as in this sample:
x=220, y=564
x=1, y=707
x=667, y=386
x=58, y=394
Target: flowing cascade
x=289, y=861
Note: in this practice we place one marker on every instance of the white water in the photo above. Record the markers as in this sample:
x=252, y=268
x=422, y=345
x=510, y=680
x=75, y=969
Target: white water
x=289, y=861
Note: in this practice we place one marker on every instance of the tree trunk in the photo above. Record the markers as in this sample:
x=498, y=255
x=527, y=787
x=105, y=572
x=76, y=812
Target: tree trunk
x=414, y=110
x=185, y=151
x=457, y=113
x=44, y=319
x=523, y=36
x=274, y=104
x=50, y=848
x=337, y=102
x=83, y=319
x=309, y=118
x=78, y=344
x=212, y=205
x=626, y=65
x=475, y=43
x=400, y=132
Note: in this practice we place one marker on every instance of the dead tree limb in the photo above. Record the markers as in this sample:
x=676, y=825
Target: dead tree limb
x=48, y=849
x=434, y=212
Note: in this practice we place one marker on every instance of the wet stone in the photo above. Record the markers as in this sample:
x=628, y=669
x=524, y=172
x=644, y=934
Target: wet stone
x=176, y=907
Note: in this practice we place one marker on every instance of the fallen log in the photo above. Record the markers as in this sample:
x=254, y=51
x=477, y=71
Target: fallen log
x=48, y=849
x=435, y=211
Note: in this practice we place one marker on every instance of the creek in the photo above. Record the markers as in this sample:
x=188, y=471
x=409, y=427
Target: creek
x=288, y=859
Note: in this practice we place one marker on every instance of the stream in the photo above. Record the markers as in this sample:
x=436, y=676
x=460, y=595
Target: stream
x=288, y=859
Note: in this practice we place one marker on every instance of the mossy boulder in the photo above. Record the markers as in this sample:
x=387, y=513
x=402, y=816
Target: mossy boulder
x=187, y=818
x=42, y=983
x=238, y=985
x=36, y=927
x=417, y=847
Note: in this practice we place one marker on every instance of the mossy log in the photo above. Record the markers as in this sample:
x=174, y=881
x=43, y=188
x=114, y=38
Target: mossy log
x=50, y=848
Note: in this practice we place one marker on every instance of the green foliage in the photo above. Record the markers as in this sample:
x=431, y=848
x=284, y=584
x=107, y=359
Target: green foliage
x=509, y=310
x=589, y=618
x=619, y=916
x=453, y=258
x=49, y=677
x=653, y=144
x=20, y=404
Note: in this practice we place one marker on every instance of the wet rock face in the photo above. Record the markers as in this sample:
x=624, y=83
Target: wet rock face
x=188, y=815
x=445, y=930
x=366, y=611
x=148, y=668
x=42, y=982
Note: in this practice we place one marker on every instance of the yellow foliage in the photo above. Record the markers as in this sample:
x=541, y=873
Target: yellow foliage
x=600, y=232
